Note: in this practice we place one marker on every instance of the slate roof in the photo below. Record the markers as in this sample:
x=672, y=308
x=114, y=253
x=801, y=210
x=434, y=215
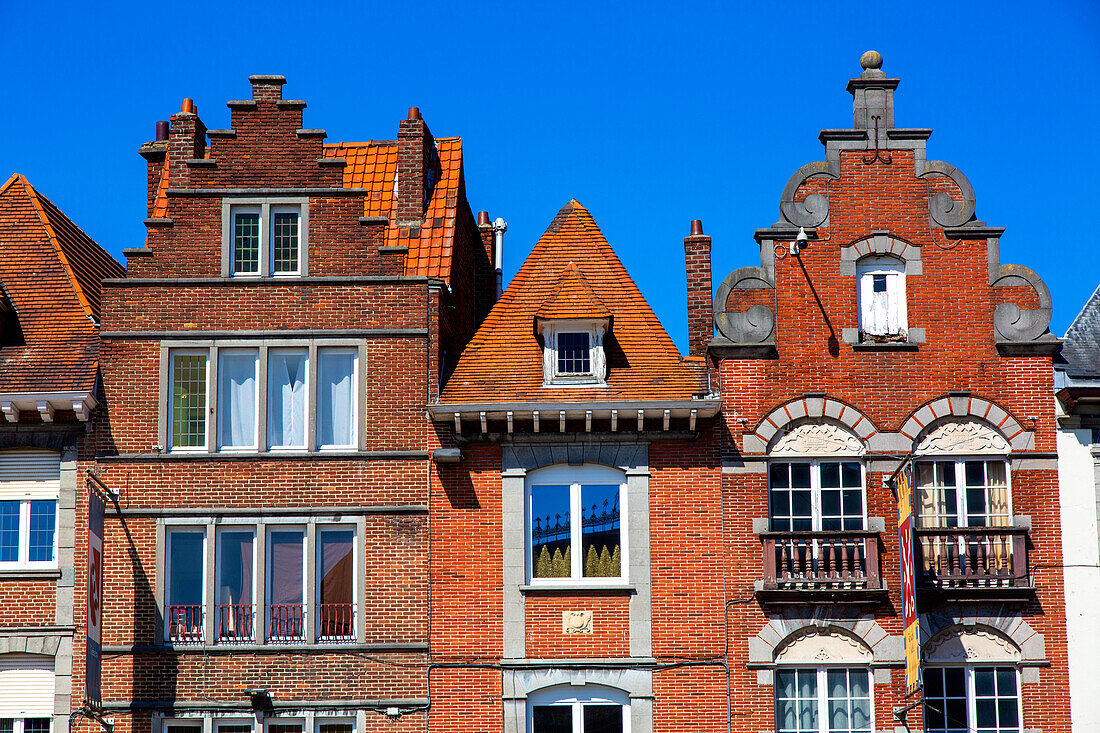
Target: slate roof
x=1081, y=347
x=50, y=272
x=503, y=362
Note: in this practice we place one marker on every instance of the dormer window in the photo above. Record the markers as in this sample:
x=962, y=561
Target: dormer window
x=881, y=299
x=573, y=352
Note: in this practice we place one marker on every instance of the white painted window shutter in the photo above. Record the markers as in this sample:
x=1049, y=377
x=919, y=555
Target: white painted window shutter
x=29, y=474
x=26, y=686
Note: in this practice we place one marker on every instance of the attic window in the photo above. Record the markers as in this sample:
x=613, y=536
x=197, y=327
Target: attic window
x=573, y=352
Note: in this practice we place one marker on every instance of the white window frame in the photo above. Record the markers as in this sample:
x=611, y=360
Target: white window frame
x=960, y=483
x=222, y=448
x=597, y=360
x=234, y=211
x=314, y=555
x=194, y=724
x=18, y=722
x=270, y=720
x=575, y=477
x=823, y=692
x=330, y=719
x=199, y=529
x=269, y=573
x=576, y=698
x=314, y=350
x=266, y=208
x=321, y=351
x=218, y=723
x=972, y=698
x=172, y=353
x=815, y=487
x=257, y=617
x=308, y=410
x=894, y=270
x=284, y=209
x=23, y=553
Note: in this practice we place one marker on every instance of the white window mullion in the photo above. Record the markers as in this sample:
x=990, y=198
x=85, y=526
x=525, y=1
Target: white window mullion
x=815, y=495
x=575, y=530
x=822, y=702
x=24, y=533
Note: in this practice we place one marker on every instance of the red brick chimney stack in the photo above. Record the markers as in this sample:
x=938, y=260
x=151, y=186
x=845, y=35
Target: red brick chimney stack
x=700, y=303
x=414, y=169
x=186, y=141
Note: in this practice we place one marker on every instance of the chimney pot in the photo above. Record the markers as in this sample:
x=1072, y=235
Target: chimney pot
x=696, y=227
x=414, y=113
x=188, y=107
x=483, y=218
x=162, y=130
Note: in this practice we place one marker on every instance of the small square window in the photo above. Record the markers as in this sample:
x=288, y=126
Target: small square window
x=573, y=354
x=264, y=238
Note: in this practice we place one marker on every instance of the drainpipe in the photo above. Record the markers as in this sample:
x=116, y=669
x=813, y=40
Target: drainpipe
x=499, y=228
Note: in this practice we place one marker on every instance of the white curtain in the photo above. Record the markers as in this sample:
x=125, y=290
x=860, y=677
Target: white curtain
x=237, y=399
x=336, y=398
x=286, y=399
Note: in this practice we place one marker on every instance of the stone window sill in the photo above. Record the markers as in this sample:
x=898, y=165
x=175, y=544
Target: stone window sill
x=561, y=588
x=29, y=574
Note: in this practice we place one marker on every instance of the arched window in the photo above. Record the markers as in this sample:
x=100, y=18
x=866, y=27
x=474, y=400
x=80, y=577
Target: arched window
x=881, y=298
x=962, y=476
x=823, y=683
x=576, y=524
x=588, y=709
x=972, y=682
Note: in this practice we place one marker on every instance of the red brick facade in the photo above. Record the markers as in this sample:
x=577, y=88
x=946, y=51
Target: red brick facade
x=679, y=593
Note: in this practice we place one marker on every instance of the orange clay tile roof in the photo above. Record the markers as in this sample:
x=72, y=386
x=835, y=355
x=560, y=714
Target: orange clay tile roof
x=503, y=362
x=373, y=166
x=49, y=273
x=573, y=298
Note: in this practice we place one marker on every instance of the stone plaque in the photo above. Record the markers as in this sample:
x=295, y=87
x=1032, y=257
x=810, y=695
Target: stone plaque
x=576, y=622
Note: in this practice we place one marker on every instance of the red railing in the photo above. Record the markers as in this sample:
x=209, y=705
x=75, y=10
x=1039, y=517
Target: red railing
x=972, y=557
x=336, y=621
x=836, y=560
x=184, y=623
x=285, y=621
x=234, y=622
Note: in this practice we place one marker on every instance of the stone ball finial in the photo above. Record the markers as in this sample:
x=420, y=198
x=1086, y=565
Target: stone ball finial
x=871, y=60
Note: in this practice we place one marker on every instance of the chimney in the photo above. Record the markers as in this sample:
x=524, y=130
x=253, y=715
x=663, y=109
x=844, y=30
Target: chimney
x=872, y=95
x=417, y=169
x=154, y=153
x=485, y=231
x=186, y=141
x=700, y=298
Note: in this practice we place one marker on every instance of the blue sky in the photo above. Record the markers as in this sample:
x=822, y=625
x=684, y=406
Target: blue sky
x=651, y=115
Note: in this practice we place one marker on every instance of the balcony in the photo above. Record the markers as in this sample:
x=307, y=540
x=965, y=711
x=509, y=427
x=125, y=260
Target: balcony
x=974, y=563
x=282, y=623
x=186, y=624
x=821, y=567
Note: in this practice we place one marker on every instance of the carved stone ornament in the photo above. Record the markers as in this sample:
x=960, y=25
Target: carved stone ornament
x=755, y=324
x=962, y=436
x=962, y=645
x=816, y=645
x=576, y=622
x=816, y=439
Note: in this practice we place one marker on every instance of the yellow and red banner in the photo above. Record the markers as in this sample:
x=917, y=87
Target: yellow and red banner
x=903, y=485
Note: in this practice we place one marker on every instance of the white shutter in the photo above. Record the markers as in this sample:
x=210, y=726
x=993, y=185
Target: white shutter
x=30, y=474
x=26, y=686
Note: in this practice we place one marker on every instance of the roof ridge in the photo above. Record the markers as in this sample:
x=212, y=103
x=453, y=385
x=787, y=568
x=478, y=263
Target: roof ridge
x=1088, y=301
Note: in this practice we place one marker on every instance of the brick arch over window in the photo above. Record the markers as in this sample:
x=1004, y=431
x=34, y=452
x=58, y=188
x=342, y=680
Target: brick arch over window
x=1010, y=631
x=814, y=406
x=860, y=631
x=964, y=405
x=881, y=243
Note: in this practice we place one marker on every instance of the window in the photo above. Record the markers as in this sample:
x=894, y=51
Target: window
x=247, y=418
x=575, y=524
x=187, y=403
x=264, y=238
x=881, y=299
x=235, y=585
x=286, y=578
x=237, y=415
x=280, y=580
x=816, y=496
x=971, y=699
x=573, y=352
x=334, y=725
x=963, y=493
x=823, y=700
x=26, y=693
x=25, y=725
x=589, y=709
x=29, y=484
x=186, y=568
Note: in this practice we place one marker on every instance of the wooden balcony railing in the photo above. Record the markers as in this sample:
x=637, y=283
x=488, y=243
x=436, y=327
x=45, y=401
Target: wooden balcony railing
x=972, y=557
x=826, y=561
x=185, y=623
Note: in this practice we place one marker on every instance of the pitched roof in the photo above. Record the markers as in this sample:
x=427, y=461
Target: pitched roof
x=50, y=274
x=573, y=298
x=1081, y=348
x=503, y=362
x=373, y=165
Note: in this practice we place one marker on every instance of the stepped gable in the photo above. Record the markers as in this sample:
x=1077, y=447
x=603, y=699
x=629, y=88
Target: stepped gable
x=559, y=279
x=50, y=304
